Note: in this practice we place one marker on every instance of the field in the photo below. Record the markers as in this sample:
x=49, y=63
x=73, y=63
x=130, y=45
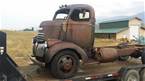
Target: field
x=20, y=48
x=19, y=45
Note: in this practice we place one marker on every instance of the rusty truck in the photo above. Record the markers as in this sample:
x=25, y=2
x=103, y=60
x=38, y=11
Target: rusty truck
x=67, y=41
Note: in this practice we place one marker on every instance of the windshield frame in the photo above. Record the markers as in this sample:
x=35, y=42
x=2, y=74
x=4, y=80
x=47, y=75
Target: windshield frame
x=62, y=11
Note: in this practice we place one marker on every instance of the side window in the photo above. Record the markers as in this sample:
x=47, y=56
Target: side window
x=84, y=15
x=80, y=15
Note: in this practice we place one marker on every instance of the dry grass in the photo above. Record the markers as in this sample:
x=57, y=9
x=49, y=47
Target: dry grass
x=19, y=45
x=105, y=42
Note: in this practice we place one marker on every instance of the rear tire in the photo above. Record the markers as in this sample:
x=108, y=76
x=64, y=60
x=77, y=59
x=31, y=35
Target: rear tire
x=124, y=58
x=143, y=56
x=131, y=75
x=64, y=64
x=142, y=75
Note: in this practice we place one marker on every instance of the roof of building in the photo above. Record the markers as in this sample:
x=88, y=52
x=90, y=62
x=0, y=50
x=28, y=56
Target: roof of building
x=122, y=19
x=112, y=30
x=115, y=26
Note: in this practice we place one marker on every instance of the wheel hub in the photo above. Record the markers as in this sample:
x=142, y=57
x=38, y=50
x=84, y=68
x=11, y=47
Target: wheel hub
x=66, y=64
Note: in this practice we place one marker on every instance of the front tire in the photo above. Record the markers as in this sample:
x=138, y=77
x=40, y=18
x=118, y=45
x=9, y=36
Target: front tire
x=64, y=64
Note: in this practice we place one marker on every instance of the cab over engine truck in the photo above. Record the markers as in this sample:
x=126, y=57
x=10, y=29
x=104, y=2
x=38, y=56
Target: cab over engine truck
x=66, y=41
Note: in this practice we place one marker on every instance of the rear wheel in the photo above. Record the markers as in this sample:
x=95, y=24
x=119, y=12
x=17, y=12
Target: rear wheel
x=131, y=75
x=143, y=56
x=142, y=75
x=64, y=64
x=124, y=58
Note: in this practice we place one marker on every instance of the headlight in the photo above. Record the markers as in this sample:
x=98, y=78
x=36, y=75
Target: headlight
x=1, y=50
x=40, y=29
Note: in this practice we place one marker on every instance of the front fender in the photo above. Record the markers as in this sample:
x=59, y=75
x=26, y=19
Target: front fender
x=53, y=50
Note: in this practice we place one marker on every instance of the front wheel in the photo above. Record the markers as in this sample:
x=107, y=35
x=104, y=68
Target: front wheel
x=64, y=64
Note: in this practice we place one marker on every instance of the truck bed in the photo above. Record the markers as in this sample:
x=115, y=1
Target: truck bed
x=37, y=73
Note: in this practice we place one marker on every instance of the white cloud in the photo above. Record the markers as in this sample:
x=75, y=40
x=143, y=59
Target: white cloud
x=18, y=14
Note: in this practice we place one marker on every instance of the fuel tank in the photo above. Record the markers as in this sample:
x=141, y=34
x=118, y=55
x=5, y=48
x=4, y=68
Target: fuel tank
x=111, y=54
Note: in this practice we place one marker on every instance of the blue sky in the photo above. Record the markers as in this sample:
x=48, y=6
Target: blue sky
x=20, y=14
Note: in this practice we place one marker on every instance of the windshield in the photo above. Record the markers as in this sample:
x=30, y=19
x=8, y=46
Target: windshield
x=61, y=14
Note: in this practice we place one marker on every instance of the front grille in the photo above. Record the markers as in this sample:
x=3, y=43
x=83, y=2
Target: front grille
x=39, y=38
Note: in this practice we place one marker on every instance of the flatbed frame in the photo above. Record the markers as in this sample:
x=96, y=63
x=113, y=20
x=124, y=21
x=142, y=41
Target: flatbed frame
x=114, y=76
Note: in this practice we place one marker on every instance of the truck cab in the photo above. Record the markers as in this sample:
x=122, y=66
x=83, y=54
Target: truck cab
x=71, y=30
x=72, y=23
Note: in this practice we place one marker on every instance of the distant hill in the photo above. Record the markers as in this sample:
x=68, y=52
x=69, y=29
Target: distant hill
x=29, y=29
x=140, y=15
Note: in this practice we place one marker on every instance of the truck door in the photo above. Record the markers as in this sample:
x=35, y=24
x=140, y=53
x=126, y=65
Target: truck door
x=80, y=30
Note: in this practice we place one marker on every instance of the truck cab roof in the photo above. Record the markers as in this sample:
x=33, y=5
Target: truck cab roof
x=75, y=6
